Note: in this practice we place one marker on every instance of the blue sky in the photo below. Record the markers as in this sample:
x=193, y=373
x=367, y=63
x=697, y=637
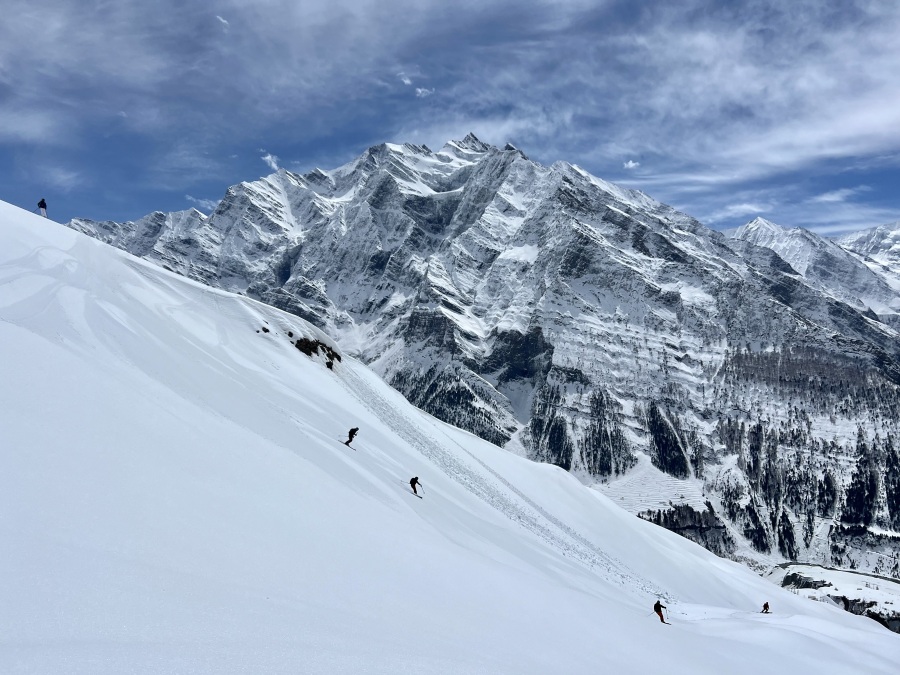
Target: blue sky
x=788, y=110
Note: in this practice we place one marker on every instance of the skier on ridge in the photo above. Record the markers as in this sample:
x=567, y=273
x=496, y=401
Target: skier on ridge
x=352, y=434
x=658, y=607
x=42, y=205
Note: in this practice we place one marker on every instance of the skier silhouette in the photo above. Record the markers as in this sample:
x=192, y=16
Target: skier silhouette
x=412, y=483
x=42, y=205
x=658, y=607
x=765, y=609
x=352, y=433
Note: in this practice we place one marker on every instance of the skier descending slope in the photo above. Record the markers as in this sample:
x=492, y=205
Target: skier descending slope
x=352, y=434
x=658, y=607
x=412, y=483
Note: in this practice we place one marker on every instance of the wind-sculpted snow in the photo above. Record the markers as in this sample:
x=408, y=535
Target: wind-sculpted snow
x=584, y=325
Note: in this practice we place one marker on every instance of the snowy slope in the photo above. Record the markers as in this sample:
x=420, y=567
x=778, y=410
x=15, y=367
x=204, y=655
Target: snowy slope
x=174, y=497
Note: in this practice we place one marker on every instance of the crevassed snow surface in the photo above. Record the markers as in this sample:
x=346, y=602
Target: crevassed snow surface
x=175, y=498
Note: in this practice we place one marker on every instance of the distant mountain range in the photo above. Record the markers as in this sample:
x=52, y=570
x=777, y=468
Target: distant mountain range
x=859, y=270
x=741, y=390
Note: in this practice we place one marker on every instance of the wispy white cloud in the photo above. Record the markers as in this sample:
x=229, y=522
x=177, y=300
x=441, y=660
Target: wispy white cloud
x=181, y=164
x=224, y=22
x=422, y=93
x=60, y=178
x=630, y=164
x=841, y=195
x=24, y=124
x=737, y=211
x=840, y=218
x=404, y=78
x=271, y=160
x=205, y=205
x=787, y=205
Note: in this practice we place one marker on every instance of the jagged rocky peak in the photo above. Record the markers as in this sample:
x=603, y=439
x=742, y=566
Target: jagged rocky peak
x=586, y=325
x=467, y=146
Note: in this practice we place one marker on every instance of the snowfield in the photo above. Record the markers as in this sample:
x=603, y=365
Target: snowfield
x=175, y=498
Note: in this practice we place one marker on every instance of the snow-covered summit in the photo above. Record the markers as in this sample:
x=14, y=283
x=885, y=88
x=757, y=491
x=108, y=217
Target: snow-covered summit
x=176, y=498
x=758, y=227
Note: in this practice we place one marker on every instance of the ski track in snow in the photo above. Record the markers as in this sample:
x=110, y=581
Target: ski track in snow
x=524, y=512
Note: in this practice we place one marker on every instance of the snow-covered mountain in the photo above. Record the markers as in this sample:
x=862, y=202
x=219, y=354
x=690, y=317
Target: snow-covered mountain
x=882, y=244
x=878, y=249
x=829, y=267
x=700, y=380
x=175, y=497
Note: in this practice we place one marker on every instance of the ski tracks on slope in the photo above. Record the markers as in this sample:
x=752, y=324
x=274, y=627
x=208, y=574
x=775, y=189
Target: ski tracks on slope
x=494, y=490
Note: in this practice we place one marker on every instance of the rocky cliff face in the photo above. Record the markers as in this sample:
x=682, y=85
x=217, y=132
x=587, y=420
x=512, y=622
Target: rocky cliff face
x=579, y=323
x=704, y=527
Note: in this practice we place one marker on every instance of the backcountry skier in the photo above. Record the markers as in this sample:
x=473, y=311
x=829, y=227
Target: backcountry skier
x=42, y=205
x=765, y=609
x=352, y=434
x=658, y=607
x=412, y=483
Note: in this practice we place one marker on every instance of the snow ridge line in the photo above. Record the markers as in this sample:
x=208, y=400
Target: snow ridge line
x=577, y=547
